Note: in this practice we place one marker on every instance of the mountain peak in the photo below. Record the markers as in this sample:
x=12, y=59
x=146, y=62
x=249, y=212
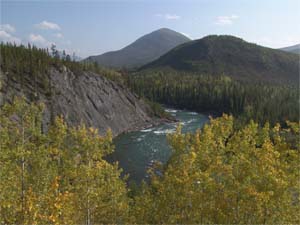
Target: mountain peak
x=164, y=29
x=142, y=51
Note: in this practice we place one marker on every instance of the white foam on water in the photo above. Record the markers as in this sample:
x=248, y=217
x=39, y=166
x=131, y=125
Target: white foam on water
x=192, y=113
x=171, y=110
x=190, y=121
x=166, y=131
x=141, y=138
x=183, y=123
x=147, y=130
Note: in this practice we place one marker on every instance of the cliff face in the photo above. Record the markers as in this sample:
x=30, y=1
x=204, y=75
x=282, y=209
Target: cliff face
x=81, y=97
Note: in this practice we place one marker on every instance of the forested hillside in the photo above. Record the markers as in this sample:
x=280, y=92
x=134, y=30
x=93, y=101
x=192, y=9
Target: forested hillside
x=262, y=102
x=230, y=56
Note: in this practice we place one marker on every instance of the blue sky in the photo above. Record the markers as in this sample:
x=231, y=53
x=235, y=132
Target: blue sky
x=94, y=27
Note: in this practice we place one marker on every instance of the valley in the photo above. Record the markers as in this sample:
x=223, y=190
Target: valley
x=108, y=116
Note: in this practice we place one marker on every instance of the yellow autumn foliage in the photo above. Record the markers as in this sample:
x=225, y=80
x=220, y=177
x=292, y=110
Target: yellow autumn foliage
x=219, y=175
x=223, y=176
x=58, y=177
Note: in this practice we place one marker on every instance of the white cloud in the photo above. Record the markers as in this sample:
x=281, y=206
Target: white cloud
x=226, y=20
x=6, y=37
x=59, y=35
x=8, y=28
x=39, y=40
x=45, y=25
x=168, y=16
x=172, y=17
x=4, y=34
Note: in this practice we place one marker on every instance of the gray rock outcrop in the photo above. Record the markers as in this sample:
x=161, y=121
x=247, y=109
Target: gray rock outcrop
x=82, y=97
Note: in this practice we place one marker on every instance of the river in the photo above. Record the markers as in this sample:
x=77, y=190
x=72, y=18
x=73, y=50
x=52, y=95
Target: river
x=136, y=151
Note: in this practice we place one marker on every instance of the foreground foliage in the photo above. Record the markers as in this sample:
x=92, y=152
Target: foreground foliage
x=222, y=176
x=217, y=175
x=59, y=177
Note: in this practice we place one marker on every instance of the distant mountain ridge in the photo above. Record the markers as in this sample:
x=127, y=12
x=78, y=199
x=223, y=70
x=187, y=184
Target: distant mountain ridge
x=231, y=56
x=293, y=49
x=142, y=51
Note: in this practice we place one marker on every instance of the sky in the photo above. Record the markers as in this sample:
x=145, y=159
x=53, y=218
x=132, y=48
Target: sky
x=94, y=27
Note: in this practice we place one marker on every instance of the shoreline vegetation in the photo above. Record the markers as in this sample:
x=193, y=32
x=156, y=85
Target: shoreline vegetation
x=261, y=101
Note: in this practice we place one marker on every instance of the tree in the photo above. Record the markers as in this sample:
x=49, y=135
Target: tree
x=21, y=156
x=223, y=176
x=59, y=177
x=101, y=196
x=68, y=58
x=55, y=53
x=64, y=55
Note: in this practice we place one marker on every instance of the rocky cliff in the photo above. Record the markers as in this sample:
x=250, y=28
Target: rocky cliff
x=81, y=97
